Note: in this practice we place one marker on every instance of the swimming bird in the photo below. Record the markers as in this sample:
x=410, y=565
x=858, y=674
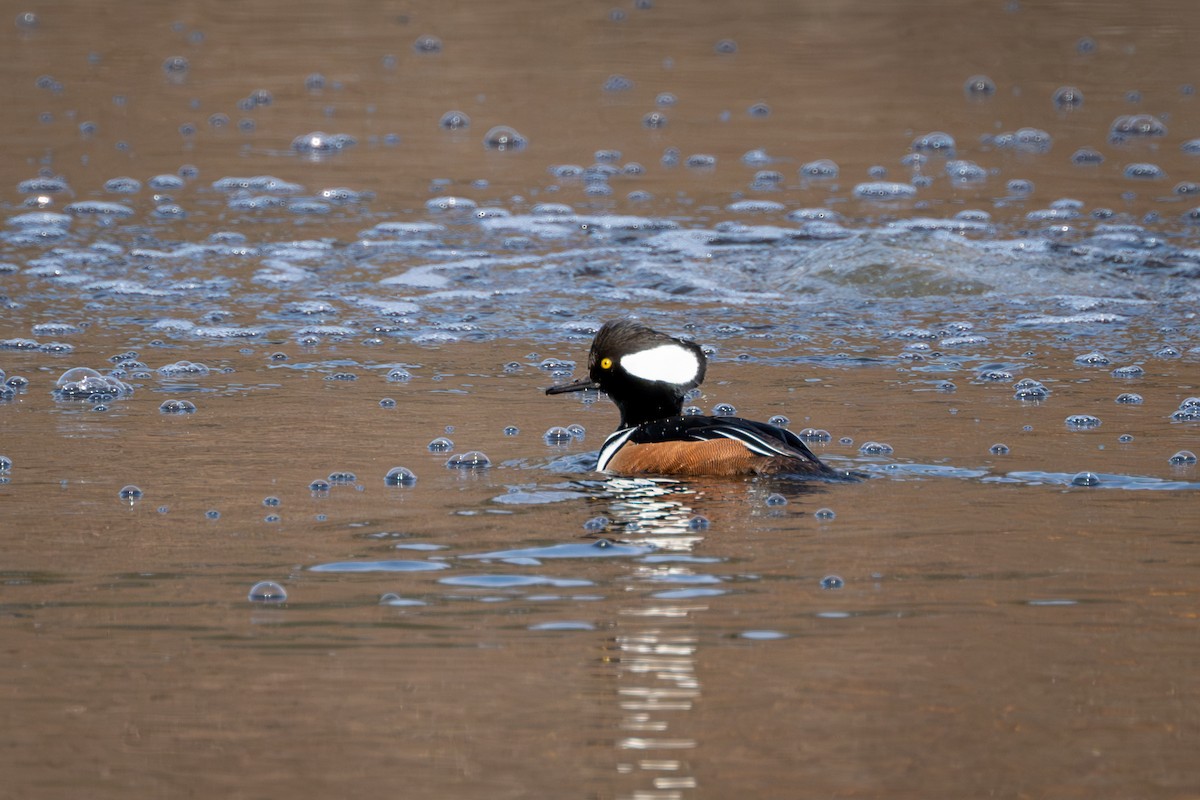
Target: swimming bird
x=646, y=374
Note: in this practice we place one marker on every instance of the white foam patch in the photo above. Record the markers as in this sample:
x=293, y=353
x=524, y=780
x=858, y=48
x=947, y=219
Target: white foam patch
x=672, y=363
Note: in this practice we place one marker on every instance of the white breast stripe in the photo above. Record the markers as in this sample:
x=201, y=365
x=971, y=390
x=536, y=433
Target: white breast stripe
x=672, y=363
x=611, y=445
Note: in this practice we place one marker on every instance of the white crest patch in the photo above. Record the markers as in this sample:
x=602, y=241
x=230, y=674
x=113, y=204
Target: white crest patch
x=671, y=363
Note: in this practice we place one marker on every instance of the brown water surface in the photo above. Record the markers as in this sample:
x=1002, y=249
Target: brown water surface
x=969, y=621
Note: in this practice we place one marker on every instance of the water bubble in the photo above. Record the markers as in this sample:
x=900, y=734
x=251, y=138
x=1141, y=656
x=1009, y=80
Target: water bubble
x=387, y=402
x=170, y=211
x=759, y=110
x=767, y=179
x=175, y=65
x=823, y=169
x=511, y=430
x=1086, y=156
x=1129, y=126
x=557, y=435
x=400, y=476
x=1129, y=398
x=398, y=375
x=27, y=20
x=1082, y=421
x=979, y=86
x=83, y=383
x=875, y=449
x=177, y=407
x=1019, y=187
x=655, y=120
x=726, y=47
x=271, y=502
x=701, y=161
x=779, y=421
x=758, y=158
x=884, y=190
x=1184, y=458
x=776, y=499
x=999, y=449
x=1167, y=352
x=1093, y=359
x=342, y=478
x=183, y=368
x=503, y=138
x=212, y=514
x=815, y=435
x=131, y=493
x=449, y=203
x=699, y=522
x=454, y=121
x=1085, y=479
x=267, y=592
x=123, y=185
x=596, y=524
x=1125, y=438
x=935, y=143
x=995, y=375
x=832, y=582
x=1191, y=147
x=947, y=386
x=99, y=209
x=5, y=464
x=320, y=143
x=824, y=514
x=724, y=410
x=427, y=44
x=1189, y=411
x=1131, y=371
x=1067, y=97
x=470, y=460
x=440, y=445
x=1144, y=172
x=617, y=83
x=1085, y=46
x=962, y=171
x=576, y=430
x=1029, y=140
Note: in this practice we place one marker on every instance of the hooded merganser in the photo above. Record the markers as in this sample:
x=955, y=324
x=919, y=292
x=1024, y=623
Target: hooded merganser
x=647, y=373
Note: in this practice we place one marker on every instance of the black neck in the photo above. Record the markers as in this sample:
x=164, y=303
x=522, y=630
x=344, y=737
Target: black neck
x=649, y=406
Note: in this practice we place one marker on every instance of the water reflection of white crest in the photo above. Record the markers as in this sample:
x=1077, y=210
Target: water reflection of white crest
x=658, y=511
x=657, y=683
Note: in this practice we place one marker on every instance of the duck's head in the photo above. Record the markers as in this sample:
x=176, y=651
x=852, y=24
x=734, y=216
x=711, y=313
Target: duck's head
x=646, y=373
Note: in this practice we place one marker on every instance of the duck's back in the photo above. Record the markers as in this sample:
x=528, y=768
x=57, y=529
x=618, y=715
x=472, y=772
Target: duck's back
x=718, y=446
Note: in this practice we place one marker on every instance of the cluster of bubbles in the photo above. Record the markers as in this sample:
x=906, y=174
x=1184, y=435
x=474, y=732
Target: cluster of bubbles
x=84, y=383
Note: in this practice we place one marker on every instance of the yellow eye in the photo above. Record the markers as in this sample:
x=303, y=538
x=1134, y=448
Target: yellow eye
x=606, y=363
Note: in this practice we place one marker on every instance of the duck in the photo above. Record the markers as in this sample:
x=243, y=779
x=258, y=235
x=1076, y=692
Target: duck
x=647, y=374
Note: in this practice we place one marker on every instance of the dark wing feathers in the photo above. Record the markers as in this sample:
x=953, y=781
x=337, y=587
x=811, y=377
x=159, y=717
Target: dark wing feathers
x=759, y=437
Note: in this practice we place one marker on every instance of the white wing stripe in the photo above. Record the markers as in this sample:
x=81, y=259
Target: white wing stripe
x=752, y=441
